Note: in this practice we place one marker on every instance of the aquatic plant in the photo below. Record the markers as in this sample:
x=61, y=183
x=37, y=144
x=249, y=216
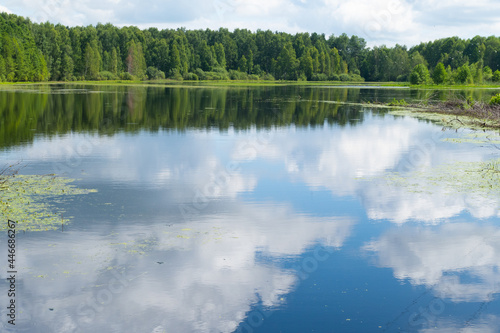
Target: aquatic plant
x=30, y=200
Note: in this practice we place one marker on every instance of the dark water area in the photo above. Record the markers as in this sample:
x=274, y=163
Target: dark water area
x=252, y=209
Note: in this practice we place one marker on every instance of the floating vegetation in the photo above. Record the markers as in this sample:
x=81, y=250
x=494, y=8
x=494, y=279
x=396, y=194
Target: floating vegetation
x=446, y=120
x=25, y=199
x=477, y=138
x=472, y=178
x=456, y=114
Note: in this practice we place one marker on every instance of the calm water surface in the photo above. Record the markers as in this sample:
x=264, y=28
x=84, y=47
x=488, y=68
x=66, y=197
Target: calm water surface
x=271, y=209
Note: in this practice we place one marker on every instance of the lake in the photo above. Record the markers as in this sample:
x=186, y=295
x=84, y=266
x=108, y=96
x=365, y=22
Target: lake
x=249, y=209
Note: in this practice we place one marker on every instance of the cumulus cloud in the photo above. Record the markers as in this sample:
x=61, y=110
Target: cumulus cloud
x=457, y=261
x=200, y=276
x=379, y=21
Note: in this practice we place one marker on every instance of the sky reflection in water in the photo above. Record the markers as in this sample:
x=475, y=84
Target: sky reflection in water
x=208, y=230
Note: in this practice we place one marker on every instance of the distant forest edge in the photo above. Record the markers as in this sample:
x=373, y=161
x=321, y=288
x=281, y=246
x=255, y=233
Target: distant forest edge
x=47, y=52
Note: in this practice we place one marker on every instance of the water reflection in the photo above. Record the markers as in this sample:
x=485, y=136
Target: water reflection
x=458, y=261
x=203, y=275
x=207, y=194
x=60, y=109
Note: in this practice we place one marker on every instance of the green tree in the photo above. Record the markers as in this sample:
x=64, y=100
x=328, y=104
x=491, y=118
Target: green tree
x=242, y=65
x=439, y=75
x=487, y=73
x=136, y=64
x=92, y=63
x=306, y=65
x=419, y=75
x=464, y=75
x=220, y=55
x=496, y=76
x=113, y=63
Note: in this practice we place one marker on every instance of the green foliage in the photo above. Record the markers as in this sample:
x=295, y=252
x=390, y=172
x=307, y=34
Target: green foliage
x=268, y=77
x=439, y=75
x=344, y=77
x=469, y=102
x=176, y=75
x=396, y=102
x=127, y=76
x=495, y=100
x=420, y=75
x=190, y=77
x=487, y=73
x=106, y=75
x=39, y=52
x=496, y=76
x=464, y=75
x=154, y=73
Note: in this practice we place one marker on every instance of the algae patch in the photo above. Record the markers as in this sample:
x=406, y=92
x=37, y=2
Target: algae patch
x=480, y=179
x=483, y=138
x=30, y=200
x=447, y=120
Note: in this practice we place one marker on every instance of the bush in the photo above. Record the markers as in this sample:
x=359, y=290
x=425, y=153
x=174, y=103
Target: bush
x=344, y=77
x=175, y=75
x=495, y=100
x=268, y=77
x=334, y=77
x=402, y=78
x=191, y=77
x=237, y=75
x=105, y=75
x=126, y=76
x=395, y=102
x=496, y=76
x=154, y=73
x=200, y=73
x=356, y=78
x=253, y=77
x=319, y=77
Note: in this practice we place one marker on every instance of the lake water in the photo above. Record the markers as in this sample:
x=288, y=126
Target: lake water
x=252, y=209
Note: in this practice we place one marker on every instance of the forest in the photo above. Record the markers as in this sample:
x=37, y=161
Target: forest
x=32, y=52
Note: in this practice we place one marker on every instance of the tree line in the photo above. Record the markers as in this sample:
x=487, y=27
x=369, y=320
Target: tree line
x=47, y=52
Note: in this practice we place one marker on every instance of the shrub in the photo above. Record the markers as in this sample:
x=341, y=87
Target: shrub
x=402, y=78
x=126, y=76
x=496, y=76
x=495, y=100
x=356, y=78
x=154, y=73
x=395, y=102
x=319, y=77
x=334, y=77
x=200, y=73
x=237, y=75
x=344, y=77
x=253, y=77
x=268, y=77
x=175, y=75
x=105, y=75
x=191, y=77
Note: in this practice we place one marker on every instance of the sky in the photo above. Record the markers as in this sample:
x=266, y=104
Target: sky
x=389, y=22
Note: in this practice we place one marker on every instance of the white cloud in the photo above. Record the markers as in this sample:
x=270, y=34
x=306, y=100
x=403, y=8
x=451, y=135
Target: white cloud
x=211, y=274
x=4, y=10
x=438, y=259
x=379, y=21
